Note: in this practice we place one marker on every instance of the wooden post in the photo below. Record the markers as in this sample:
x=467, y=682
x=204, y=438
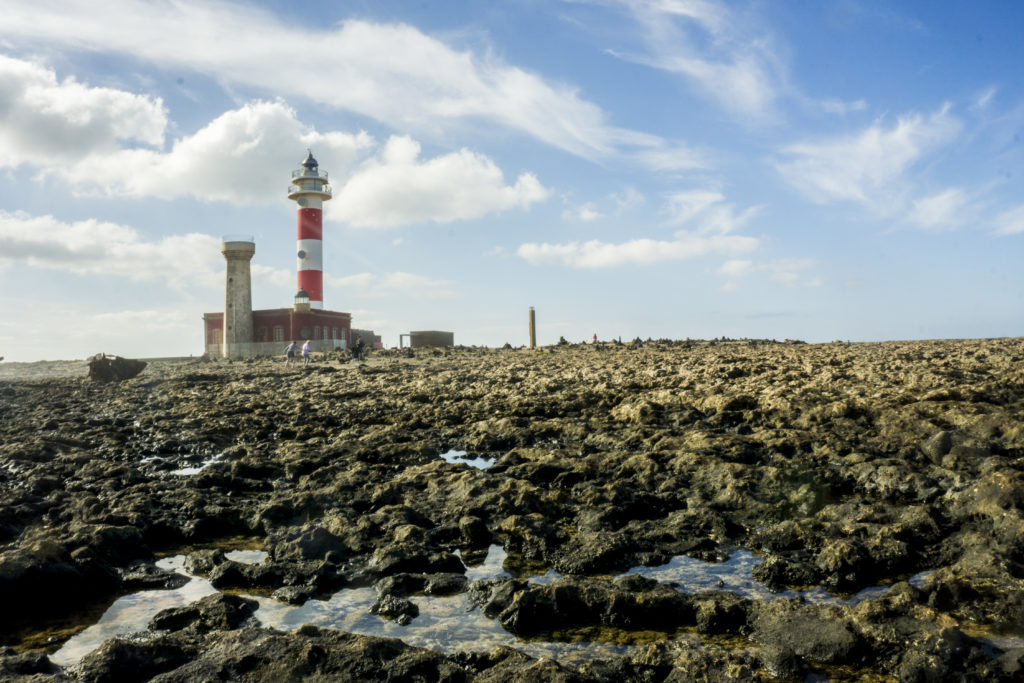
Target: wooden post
x=533, y=329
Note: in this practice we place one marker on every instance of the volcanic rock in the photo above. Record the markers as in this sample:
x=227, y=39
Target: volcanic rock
x=104, y=368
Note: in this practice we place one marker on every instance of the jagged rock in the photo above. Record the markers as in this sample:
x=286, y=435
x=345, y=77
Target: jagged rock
x=399, y=610
x=217, y=612
x=822, y=459
x=104, y=368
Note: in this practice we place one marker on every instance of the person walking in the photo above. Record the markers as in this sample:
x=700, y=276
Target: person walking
x=289, y=352
x=305, y=353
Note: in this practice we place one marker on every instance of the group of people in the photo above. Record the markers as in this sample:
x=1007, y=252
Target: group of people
x=292, y=349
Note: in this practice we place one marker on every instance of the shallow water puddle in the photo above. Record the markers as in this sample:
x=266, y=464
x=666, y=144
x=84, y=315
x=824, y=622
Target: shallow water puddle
x=455, y=457
x=493, y=567
x=189, y=471
x=247, y=556
x=736, y=576
x=447, y=624
x=132, y=613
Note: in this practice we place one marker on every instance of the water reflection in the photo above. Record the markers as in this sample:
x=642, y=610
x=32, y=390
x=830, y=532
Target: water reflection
x=247, y=556
x=736, y=576
x=493, y=567
x=445, y=623
x=132, y=613
x=456, y=458
x=190, y=471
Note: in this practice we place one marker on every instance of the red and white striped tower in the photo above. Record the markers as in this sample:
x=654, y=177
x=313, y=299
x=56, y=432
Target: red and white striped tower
x=310, y=190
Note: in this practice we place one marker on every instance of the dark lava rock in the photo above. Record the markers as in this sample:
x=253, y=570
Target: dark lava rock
x=843, y=466
x=42, y=578
x=217, y=612
x=397, y=609
x=29, y=666
x=119, y=659
x=146, y=576
x=815, y=632
x=782, y=662
x=631, y=604
x=104, y=368
x=261, y=655
x=294, y=595
x=938, y=445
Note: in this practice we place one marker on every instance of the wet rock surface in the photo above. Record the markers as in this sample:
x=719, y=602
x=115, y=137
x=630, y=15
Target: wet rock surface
x=843, y=466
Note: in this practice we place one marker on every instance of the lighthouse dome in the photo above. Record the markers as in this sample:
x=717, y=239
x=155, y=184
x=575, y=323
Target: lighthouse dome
x=310, y=162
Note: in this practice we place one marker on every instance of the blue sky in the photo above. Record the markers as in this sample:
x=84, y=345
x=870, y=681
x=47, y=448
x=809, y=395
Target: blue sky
x=674, y=168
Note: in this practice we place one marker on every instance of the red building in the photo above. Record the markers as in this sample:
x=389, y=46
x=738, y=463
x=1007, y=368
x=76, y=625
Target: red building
x=274, y=328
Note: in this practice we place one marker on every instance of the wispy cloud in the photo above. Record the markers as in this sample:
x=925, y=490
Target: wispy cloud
x=984, y=98
x=101, y=248
x=868, y=166
x=598, y=254
x=736, y=267
x=710, y=46
x=135, y=333
x=392, y=284
x=584, y=213
x=393, y=73
x=706, y=211
x=1011, y=221
x=788, y=272
x=940, y=210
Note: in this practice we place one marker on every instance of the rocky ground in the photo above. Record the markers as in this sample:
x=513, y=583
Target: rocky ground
x=843, y=466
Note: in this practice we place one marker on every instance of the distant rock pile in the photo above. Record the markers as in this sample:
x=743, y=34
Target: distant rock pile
x=104, y=368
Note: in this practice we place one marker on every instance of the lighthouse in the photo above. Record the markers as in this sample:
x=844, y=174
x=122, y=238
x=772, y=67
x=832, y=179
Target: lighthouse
x=239, y=331
x=310, y=190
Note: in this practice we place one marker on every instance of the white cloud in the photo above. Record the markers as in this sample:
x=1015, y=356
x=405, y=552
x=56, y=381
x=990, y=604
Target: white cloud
x=685, y=205
x=728, y=59
x=735, y=267
x=704, y=210
x=281, y=279
x=45, y=121
x=393, y=73
x=79, y=334
x=866, y=167
x=940, y=210
x=597, y=254
x=627, y=199
x=707, y=211
x=788, y=272
x=243, y=156
x=392, y=284
x=669, y=157
x=99, y=248
x=833, y=106
x=984, y=98
x=585, y=213
x=397, y=188
x=1011, y=221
